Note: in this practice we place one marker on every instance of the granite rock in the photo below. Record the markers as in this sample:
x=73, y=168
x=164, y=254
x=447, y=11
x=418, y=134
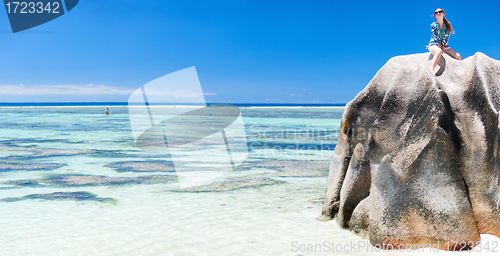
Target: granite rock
x=417, y=160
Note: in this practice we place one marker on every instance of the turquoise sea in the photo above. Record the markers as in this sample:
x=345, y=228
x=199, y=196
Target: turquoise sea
x=72, y=182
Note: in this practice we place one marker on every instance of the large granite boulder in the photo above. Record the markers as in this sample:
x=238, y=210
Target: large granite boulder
x=417, y=160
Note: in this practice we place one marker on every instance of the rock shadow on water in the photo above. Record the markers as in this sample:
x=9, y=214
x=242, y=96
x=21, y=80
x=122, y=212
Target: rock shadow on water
x=92, y=180
x=232, y=184
x=71, y=196
x=143, y=166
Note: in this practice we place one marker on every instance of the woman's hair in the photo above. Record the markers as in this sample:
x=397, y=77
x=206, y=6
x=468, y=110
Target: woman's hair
x=446, y=22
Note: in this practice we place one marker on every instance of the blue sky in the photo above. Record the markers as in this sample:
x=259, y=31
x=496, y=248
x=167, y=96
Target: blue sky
x=244, y=51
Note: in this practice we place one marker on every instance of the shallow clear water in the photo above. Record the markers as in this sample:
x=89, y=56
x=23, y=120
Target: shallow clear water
x=72, y=182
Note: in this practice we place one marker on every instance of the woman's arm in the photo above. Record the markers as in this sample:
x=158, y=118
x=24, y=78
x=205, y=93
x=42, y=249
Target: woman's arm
x=446, y=37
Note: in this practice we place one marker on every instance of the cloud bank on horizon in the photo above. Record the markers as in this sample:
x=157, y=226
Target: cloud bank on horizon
x=63, y=89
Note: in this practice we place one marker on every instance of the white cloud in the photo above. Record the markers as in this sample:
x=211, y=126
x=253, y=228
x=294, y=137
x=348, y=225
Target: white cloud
x=210, y=93
x=66, y=89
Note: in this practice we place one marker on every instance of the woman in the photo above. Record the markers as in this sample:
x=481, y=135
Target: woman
x=441, y=29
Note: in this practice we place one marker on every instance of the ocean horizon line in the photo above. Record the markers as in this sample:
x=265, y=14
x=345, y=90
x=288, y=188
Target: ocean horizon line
x=124, y=104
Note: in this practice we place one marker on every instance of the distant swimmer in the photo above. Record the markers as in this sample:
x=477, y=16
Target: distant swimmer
x=107, y=111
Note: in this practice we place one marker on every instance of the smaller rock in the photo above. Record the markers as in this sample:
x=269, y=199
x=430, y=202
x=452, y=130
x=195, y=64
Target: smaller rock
x=143, y=166
x=91, y=180
x=75, y=196
x=232, y=184
x=6, y=167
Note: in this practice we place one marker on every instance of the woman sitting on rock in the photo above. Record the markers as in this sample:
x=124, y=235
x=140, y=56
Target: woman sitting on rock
x=441, y=29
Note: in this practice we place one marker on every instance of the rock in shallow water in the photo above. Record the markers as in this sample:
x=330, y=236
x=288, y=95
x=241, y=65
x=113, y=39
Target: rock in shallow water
x=74, y=180
x=232, y=184
x=291, y=168
x=417, y=157
x=143, y=166
x=7, y=167
x=74, y=196
x=33, y=151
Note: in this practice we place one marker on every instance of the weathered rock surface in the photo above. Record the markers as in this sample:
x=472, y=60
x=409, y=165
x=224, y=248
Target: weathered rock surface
x=417, y=160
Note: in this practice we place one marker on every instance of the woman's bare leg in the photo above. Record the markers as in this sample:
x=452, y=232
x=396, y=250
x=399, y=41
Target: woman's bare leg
x=453, y=53
x=436, y=51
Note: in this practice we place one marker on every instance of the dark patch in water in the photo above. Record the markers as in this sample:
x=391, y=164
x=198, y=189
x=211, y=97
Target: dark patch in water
x=121, y=154
x=74, y=196
x=92, y=180
x=232, y=184
x=280, y=133
x=143, y=166
x=36, y=152
x=292, y=146
x=292, y=168
x=6, y=167
x=295, y=113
